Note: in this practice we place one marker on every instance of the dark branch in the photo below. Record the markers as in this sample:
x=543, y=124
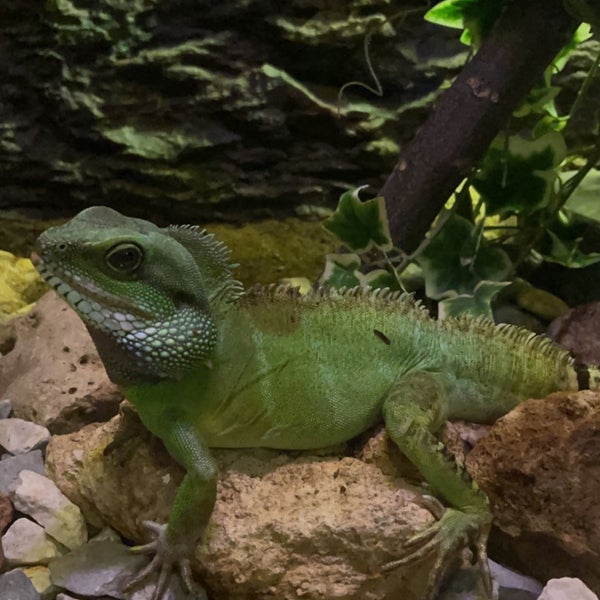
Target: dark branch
x=468, y=116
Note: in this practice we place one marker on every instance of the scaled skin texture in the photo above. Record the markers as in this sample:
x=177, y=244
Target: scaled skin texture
x=209, y=365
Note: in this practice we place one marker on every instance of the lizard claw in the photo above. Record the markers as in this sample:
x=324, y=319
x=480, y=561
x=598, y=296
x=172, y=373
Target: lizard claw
x=447, y=537
x=164, y=560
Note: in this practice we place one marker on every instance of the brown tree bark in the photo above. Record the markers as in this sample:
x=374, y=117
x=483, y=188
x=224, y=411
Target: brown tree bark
x=470, y=113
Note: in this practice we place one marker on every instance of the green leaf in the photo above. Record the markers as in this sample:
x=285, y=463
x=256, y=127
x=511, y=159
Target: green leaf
x=519, y=178
x=539, y=100
x=582, y=33
x=360, y=225
x=475, y=16
x=477, y=304
x=341, y=270
x=458, y=258
x=448, y=13
x=585, y=199
x=379, y=278
x=567, y=253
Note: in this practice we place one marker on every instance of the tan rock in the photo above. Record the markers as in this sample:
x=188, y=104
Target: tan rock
x=540, y=466
x=285, y=525
x=61, y=385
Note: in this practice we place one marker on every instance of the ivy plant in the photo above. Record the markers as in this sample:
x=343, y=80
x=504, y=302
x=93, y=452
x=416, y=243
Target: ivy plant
x=528, y=201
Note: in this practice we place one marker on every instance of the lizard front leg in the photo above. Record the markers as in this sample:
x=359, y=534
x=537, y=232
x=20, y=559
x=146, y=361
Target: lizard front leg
x=191, y=510
x=415, y=408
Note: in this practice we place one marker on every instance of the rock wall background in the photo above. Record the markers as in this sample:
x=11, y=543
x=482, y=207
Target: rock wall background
x=183, y=110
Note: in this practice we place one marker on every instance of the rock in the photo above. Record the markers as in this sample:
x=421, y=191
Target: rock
x=284, y=526
x=5, y=408
x=539, y=467
x=11, y=466
x=512, y=594
x=105, y=568
x=19, y=436
x=38, y=497
x=567, y=588
x=106, y=535
x=15, y=585
x=6, y=517
x=40, y=578
x=579, y=332
x=20, y=285
x=6, y=512
x=61, y=385
x=513, y=585
x=26, y=543
x=8, y=337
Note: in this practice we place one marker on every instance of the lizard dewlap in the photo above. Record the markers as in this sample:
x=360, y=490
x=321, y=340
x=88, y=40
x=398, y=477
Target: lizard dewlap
x=209, y=365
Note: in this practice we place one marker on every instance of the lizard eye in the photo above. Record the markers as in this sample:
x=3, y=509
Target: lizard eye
x=125, y=257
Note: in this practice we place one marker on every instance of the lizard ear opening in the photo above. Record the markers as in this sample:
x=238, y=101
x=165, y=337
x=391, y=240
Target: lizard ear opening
x=212, y=258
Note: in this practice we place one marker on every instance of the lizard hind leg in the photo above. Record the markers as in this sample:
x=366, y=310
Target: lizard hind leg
x=414, y=409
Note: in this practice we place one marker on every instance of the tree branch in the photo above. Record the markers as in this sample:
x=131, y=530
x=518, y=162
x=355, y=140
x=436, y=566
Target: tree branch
x=470, y=113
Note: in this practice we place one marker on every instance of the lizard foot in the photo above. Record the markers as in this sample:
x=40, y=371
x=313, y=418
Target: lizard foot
x=165, y=559
x=452, y=533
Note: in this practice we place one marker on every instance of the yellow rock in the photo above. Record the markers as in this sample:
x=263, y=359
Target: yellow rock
x=20, y=285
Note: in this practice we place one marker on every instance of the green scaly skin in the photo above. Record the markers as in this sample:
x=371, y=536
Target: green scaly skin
x=207, y=365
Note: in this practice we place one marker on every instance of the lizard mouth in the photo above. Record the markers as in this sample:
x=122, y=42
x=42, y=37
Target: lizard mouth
x=81, y=295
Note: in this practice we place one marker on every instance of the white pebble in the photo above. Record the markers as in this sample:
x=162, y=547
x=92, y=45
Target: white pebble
x=38, y=497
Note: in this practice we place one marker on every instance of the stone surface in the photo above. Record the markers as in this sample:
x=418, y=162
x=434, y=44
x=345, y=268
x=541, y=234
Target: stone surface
x=105, y=568
x=231, y=113
x=508, y=579
x=26, y=543
x=6, y=512
x=61, y=385
x=19, y=436
x=11, y=466
x=539, y=467
x=283, y=527
x=20, y=285
x=579, y=332
x=37, y=496
x=40, y=578
x=15, y=585
x=100, y=568
x=5, y=408
x=567, y=588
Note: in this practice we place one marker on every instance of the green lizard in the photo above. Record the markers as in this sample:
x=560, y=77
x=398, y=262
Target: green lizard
x=207, y=365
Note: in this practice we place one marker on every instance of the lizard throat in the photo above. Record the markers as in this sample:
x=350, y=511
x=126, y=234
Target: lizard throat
x=137, y=346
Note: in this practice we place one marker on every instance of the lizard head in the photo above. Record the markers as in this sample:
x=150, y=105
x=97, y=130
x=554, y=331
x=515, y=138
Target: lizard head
x=145, y=293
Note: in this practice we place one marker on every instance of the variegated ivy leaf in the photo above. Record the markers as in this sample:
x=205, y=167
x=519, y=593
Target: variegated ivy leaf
x=517, y=178
x=360, y=225
x=379, y=278
x=585, y=199
x=458, y=258
x=477, y=304
x=341, y=270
